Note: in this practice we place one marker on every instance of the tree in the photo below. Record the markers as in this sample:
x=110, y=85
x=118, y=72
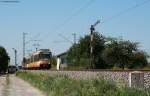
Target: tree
x=120, y=53
x=4, y=60
x=79, y=54
x=139, y=60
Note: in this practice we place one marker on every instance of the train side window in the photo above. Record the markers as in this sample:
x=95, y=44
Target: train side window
x=36, y=57
x=32, y=58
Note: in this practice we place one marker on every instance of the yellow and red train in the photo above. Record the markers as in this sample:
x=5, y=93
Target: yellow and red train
x=40, y=59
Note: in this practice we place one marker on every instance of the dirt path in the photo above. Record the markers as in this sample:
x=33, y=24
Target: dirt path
x=13, y=86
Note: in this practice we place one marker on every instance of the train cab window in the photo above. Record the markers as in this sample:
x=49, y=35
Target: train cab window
x=44, y=56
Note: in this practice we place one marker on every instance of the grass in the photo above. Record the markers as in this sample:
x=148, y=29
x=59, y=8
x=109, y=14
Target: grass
x=65, y=86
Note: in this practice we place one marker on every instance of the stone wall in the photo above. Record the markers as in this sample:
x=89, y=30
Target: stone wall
x=120, y=77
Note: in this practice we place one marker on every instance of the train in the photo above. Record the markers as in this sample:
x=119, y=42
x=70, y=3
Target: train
x=40, y=59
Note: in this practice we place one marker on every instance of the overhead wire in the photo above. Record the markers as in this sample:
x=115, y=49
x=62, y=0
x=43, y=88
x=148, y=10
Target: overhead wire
x=76, y=13
x=125, y=11
x=9, y=1
x=33, y=38
x=79, y=11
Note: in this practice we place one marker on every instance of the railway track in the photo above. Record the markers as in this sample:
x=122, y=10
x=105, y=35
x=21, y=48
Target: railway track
x=97, y=70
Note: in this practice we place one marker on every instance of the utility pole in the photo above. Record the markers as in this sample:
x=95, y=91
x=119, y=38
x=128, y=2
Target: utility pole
x=24, y=48
x=24, y=44
x=75, y=48
x=92, y=29
x=74, y=36
x=15, y=51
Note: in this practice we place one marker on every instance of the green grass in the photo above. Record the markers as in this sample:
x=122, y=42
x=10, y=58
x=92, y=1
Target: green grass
x=65, y=86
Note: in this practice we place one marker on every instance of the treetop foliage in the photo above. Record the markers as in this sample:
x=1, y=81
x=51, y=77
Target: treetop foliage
x=121, y=53
x=108, y=53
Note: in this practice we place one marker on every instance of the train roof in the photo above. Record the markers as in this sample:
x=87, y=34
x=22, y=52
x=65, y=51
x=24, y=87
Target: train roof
x=44, y=51
x=41, y=51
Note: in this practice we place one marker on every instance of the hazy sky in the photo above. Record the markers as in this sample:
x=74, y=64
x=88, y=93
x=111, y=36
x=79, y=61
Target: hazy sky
x=45, y=20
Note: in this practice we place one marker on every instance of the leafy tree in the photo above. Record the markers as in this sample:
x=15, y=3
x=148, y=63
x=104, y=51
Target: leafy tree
x=4, y=60
x=123, y=54
x=139, y=60
x=79, y=54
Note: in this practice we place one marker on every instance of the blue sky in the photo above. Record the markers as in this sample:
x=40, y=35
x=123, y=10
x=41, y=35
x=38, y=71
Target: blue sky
x=44, y=20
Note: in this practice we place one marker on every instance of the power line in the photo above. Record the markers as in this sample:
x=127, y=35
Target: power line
x=65, y=38
x=79, y=11
x=125, y=11
x=10, y=1
x=76, y=13
x=25, y=42
x=33, y=38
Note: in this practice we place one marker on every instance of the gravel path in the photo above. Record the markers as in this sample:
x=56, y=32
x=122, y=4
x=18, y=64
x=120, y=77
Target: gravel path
x=13, y=86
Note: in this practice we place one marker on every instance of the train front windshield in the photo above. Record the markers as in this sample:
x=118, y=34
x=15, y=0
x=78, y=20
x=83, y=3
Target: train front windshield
x=45, y=56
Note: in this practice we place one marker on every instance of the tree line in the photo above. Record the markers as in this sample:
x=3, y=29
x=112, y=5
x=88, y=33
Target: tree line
x=109, y=53
x=4, y=60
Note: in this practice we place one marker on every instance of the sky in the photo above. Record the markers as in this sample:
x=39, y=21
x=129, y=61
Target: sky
x=51, y=22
